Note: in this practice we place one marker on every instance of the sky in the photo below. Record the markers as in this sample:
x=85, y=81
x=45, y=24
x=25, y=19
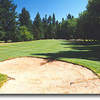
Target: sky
x=60, y=7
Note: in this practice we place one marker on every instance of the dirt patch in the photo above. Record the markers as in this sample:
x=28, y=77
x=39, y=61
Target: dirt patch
x=37, y=76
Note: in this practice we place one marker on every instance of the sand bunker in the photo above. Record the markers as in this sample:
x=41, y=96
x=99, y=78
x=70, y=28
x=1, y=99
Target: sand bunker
x=37, y=76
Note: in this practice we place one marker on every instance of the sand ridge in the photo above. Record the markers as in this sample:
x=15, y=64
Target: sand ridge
x=37, y=76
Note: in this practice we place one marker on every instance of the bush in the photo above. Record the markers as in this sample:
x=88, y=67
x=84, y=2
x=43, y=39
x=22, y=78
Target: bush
x=25, y=35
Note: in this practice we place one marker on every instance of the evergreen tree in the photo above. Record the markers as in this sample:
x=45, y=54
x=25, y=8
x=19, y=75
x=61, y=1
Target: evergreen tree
x=93, y=10
x=49, y=20
x=54, y=19
x=8, y=19
x=69, y=16
x=24, y=19
x=89, y=21
x=58, y=30
x=45, y=26
x=54, y=26
x=37, y=27
x=71, y=28
x=50, y=31
x=2, y=33
x=64, y=30
x=63, y=20
x=83, y=26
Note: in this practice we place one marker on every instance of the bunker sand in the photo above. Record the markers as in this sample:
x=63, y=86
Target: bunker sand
x=38, y=76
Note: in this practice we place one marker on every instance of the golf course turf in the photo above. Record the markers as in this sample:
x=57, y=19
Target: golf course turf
x=84, y=55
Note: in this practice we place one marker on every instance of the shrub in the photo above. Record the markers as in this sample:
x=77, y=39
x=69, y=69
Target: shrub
x=25, y=34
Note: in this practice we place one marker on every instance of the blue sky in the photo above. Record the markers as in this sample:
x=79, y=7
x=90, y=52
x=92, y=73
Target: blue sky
x=60, y=7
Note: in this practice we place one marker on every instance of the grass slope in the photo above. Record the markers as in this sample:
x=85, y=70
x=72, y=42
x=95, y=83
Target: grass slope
x=86, y=55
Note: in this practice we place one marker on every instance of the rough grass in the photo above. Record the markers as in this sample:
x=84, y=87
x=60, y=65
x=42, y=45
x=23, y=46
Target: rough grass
x=85, y=55
x=3, y=79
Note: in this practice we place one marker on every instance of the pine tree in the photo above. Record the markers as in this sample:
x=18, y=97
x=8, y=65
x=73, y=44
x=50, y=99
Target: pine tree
x=58, y=30
x=54, y=19
x=93, y=10
x=54, y=26
x=69, y=16
x=49, y=20
x=50, y=28
x=37, y=28
x=8, y=19
x=2, y=34
x=63, y=34
x=45, y=26
x=24, y=18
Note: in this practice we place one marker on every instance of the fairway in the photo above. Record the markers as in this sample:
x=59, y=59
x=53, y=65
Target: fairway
x=85, y=55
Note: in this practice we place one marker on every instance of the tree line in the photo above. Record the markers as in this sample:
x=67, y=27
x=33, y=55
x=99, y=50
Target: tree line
x=16, y=27
x=88, y=25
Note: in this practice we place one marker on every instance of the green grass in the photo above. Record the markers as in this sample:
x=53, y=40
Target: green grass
x=85, y=55
x=3, y=79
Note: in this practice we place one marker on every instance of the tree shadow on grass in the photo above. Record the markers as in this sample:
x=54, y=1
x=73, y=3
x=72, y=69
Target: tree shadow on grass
x=88, y=52
x=72, y=54
x=87, y=43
